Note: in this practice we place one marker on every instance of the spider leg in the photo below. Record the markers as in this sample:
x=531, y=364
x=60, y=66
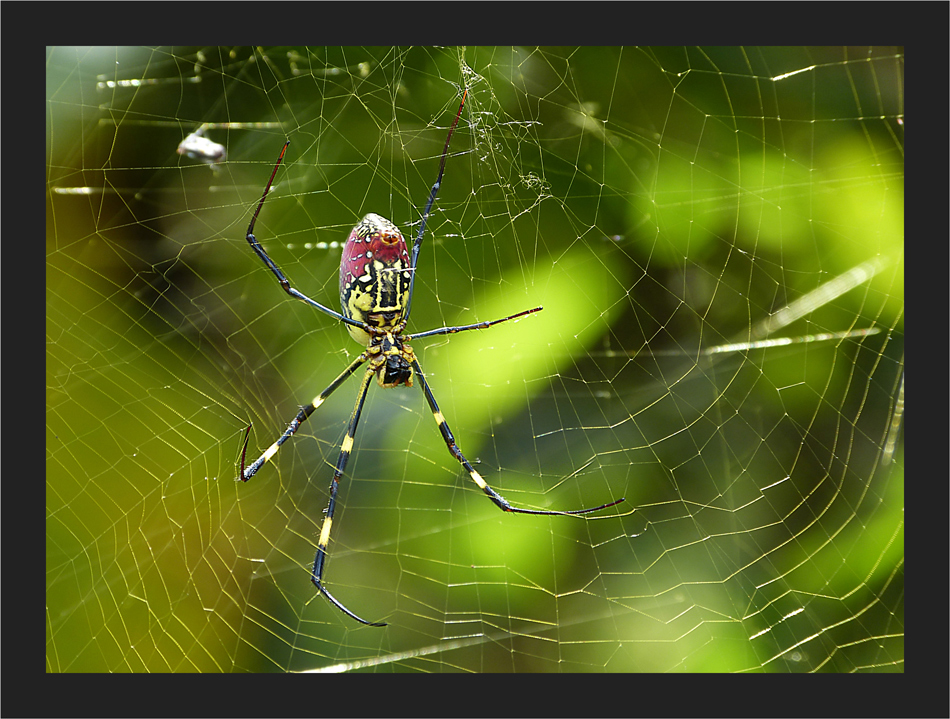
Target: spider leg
x=417, y=244
x=302, y=415
x=320, y=560
x=284, y=282
x=449, y=438
x=463, y=328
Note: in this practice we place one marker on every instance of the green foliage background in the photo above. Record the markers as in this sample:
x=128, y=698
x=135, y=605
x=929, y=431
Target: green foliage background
x=657, y=201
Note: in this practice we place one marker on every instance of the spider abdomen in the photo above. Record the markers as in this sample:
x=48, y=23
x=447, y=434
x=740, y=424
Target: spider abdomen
x=374, y=275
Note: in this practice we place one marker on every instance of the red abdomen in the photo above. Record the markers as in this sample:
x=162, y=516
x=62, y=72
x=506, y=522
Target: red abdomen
x=374, y=275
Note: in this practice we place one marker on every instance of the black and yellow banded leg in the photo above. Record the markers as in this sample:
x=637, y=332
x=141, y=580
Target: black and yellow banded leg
x=449, y=438
x=465, y=328
x=301, y=417
x=320, y=560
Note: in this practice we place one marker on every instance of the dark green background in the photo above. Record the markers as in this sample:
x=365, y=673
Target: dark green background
x=658, y=203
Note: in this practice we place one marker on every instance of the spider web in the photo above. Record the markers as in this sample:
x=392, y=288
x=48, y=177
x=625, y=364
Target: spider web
x=716, y=237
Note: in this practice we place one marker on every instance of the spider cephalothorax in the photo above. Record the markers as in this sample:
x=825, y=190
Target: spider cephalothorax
x=377, y=275
x=391, y=360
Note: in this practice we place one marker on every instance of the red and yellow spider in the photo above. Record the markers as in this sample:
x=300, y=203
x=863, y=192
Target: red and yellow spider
x=377, y=276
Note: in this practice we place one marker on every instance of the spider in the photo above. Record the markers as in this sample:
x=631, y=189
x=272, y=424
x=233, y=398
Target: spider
x=377, y=277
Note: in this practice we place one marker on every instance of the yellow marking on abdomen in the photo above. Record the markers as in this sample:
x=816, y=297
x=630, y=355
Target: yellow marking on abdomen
x=317, y=401
x=271, y=451
x=347, y=445
x=439, y=419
